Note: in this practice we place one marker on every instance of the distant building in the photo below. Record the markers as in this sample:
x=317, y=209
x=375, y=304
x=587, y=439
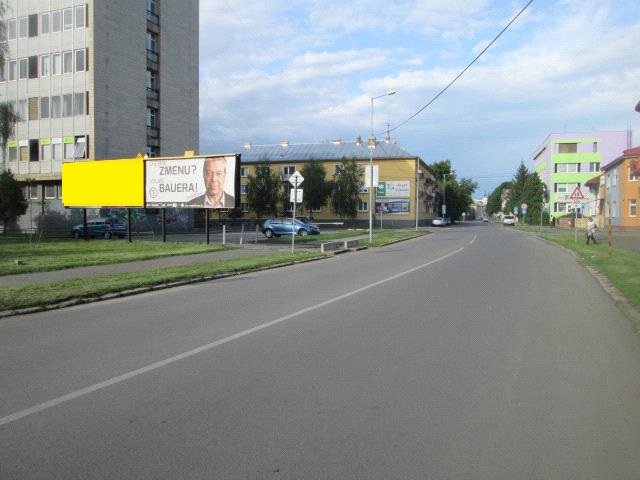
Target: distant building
x=399, y=175
x=567, y=160
x=97, y=80
x=622, y=189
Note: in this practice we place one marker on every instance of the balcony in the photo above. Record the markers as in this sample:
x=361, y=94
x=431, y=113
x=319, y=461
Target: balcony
x=153, y=59
x=153, y=94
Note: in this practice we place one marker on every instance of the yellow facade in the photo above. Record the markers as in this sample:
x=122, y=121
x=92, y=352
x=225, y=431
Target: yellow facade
x=400, y=172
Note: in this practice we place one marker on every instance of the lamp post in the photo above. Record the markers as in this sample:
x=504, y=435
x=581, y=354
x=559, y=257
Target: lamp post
x=372, y=145
x=444, y=195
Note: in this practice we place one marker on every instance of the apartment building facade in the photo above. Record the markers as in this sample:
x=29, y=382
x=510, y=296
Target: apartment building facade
x=565, y=161
x=405, y=191
x=622, y=190
x=97, y=80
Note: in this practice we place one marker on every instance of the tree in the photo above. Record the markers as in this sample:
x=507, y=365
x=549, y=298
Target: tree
x=316, y=187
x=8, y=116
x=263, y=190
x=346, y=189
x=12, y=201
x=494, y=202
x=458, y=195
x=526, y=187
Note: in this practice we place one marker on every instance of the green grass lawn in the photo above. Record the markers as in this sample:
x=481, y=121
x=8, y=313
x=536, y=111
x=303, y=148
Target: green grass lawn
x=622, y=268
x=22, y=296
x=61, y=254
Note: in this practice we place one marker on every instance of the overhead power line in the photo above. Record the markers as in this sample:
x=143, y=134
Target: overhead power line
x=463, y=71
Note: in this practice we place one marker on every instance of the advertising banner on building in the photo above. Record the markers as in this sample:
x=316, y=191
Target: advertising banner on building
x=393, y=207
x=192, y=182
x=397, y=189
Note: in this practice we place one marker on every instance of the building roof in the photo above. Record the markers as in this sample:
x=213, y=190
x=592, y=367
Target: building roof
x=335, y=150
x=626, y=154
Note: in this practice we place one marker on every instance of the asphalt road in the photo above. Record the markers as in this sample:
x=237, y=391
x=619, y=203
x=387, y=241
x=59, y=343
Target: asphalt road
x=472, y=353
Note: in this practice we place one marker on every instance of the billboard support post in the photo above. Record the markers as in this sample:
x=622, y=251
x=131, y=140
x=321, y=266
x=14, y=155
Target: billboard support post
x=84, y=222
x=206, y=224
x=164, y=225
x=129, y=224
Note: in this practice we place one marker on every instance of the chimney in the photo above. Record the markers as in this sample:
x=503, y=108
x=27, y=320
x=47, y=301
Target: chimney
x=284, y=143
x=372, y=142
x=336, y=141
x=247, y=145
x=358, y=140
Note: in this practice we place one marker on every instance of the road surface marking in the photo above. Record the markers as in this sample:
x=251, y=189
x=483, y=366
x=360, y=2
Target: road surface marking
x=154, y=366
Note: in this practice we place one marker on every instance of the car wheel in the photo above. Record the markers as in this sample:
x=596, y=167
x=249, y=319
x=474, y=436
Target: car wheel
x=107, y=235
x=268, y=233
x=76, y=234
x=302, y=232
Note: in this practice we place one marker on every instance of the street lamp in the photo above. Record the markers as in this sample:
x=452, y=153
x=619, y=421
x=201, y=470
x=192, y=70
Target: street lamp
x=444, y=195
x=372, y=145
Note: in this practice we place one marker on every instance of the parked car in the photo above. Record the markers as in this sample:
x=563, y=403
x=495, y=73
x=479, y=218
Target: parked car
x=274, y=227
x=485, y=219
x=509, y=220
x=439, y=222
x=100, y=227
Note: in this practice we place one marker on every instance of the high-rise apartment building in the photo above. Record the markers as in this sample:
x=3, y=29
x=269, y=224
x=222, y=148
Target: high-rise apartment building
x=97, y=79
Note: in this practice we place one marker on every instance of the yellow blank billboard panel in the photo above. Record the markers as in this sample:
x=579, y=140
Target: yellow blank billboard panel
x=103, y=183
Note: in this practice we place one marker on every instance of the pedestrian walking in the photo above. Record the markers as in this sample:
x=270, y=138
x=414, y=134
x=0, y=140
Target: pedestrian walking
x=591, y=231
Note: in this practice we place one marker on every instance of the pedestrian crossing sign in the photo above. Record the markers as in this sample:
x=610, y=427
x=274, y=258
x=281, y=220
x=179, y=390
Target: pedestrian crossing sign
x=577, y=194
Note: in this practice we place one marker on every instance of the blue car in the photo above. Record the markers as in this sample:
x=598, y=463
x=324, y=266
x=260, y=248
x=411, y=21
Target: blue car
x=100, y=227
x=274, y=227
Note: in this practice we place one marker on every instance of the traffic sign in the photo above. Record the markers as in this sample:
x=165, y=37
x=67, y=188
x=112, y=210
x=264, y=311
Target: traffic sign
x=296, y=178
x=577, y=194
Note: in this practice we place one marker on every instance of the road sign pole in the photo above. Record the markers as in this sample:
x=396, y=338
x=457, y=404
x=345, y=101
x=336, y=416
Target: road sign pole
x=293, y=220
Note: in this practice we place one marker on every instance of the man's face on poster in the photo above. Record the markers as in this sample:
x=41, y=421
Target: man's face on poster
x=214, y=172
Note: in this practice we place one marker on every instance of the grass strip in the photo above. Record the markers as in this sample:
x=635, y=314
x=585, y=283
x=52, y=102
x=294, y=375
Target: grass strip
x=622, y=268
x=46, y=256
x=23, y=296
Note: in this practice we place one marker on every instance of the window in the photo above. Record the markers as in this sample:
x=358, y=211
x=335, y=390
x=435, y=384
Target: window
x=56, y=148
x=24, y=151
x=45, y=151
x=33, y=25
x=80, y=60
x=44, y=23
x=594, y=167
x=44, y=107
x=78, y=104
x=69, y=150
x=595, y=147
x=13, y=69
x=56, y=21
x=151, y=6
x=80, y=147
x=12, y=29
x=152, y=80
x=560, y=207
x=56, y=106
x=67, y=62
x=562, y=187
x=23, y=27
x=633, y=209
x=363, y=206
x=3, y=75
x=23, y=68
x=243, y=189
x=152, y=42
x=34, y=192
x=22, y=109
x=244, y=207
x=152, y=120
x=67, y=18
x=67, y=105
x=33, y=108
x=49, y=191
x=59, y=190
x=34, y=150
x=288, y=170
x=13, y=153
x=614, y=179
x=56, y=64
x=33, y=66
x=44, y=65
x=567, y=147
x=567, y=167
x=633, y=177
x=244, y=172
x=80, y=16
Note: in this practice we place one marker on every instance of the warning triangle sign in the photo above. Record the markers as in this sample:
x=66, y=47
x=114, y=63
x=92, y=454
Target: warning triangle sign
x=577, y=194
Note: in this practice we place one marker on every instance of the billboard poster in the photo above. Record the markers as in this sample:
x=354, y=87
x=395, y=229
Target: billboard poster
x=396, y=206
x=395, y=189
x=192, y=182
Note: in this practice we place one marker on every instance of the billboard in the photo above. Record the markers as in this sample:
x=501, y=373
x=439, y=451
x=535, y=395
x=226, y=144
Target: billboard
x=192, y=182
x=103, y=183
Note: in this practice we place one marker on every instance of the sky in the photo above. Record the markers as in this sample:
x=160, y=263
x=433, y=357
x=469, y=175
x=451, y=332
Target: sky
x=305, y=71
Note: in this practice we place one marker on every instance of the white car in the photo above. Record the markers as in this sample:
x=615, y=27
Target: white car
x=509, y=220
x=438, y=222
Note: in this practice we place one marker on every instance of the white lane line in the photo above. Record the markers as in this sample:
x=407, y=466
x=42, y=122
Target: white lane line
x=154, y=366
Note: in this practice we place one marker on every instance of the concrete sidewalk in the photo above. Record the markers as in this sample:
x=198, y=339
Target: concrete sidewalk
x=173, y=261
